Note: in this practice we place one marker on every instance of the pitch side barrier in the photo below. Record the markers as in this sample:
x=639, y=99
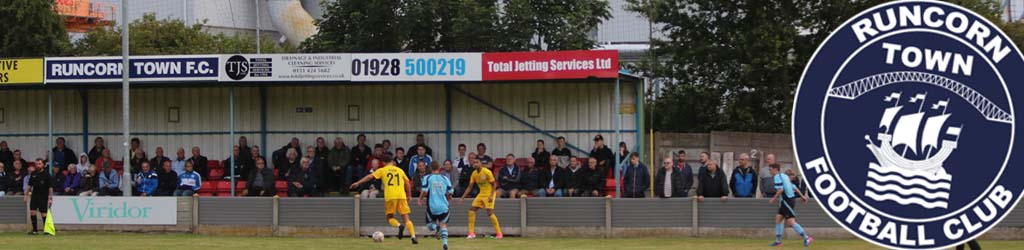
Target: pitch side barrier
x=531, y=217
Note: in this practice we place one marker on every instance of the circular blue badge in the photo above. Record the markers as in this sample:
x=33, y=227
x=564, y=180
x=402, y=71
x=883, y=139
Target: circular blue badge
x=904, y=125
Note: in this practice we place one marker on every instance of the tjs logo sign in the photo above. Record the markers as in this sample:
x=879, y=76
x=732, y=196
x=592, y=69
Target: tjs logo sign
x=115, y=210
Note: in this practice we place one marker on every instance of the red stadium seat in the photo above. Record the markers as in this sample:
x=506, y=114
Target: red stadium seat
x=214, y=164
x=201, y=194
x=239, y=185
x=223, y=186
x=521, y=162
x=216, y=174
x=498, y=163
x=281, y=186
x=207, y=187
x=118, y=165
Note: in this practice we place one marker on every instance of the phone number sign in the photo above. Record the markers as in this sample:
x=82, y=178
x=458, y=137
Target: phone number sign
x=405, y=67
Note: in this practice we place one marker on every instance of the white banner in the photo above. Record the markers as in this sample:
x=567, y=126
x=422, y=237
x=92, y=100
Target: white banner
x=115, y=210
x=403, y=67
x=285, y=67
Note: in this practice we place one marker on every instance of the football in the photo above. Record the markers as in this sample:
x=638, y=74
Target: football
x=378, y=237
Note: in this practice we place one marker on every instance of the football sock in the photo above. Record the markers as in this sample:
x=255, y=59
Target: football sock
x=35, y=226
x=799, y=230
x=497, y=227
x=393, y=222
x=412, y=231
x=472, y=222
x=444, y=236
x=778, y=232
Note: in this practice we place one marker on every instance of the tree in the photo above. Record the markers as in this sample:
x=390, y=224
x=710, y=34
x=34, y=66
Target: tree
x=457, y=25
x=734, y=65
x=149, y=36
x=31, y=29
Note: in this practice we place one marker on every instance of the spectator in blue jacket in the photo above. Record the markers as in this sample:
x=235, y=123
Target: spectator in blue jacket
x=109, y=181
x=421, y=155
x=635, y=178
x=509, y=178
x=743, y=181
x=72, y=181
x=146, y=181
x=189, y=181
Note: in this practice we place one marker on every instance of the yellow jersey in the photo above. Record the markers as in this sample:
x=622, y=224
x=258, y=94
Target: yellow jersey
x=393, y=179
x=483, y=179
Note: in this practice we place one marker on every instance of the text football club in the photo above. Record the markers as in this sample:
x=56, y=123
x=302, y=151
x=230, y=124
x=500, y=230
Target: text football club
x=904, y=125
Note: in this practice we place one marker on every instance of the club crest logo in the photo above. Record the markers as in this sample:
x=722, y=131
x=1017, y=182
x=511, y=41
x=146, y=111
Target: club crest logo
x=904, y=125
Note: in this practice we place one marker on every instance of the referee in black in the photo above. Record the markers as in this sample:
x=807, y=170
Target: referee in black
x=41, y=192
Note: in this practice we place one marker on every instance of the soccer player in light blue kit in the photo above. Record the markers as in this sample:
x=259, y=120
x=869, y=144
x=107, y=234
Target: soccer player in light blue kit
x=437, y=189
x=786, y=189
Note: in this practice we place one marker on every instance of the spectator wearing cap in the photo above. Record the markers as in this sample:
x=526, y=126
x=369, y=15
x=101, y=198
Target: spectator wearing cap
x=561, y=152
x=668, y=182
x=261, y=180
x=481, y=154
x=600, y=151
x=712, y=183
x=200, y=164
x=686, y=170
x=635, y=178
x=98, y=145
x=509, y=178
x=62, y=156
x=540, y=154
x=302, y=180
x=421, y=141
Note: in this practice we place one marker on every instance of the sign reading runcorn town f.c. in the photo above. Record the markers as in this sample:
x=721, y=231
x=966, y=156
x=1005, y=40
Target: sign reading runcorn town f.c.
x=904, y=125
x=115, y=210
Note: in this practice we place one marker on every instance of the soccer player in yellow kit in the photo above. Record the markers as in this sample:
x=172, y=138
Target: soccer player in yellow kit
x=397, y=193
x=484, y=179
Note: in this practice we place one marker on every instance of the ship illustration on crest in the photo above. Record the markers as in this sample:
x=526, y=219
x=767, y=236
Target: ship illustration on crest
x=914, y=140
x=897, y=178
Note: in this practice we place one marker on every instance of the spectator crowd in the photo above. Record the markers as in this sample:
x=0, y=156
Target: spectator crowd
x=321, y=169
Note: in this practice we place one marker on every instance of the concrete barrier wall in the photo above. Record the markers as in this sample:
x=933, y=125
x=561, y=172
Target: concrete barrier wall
x=534, y=217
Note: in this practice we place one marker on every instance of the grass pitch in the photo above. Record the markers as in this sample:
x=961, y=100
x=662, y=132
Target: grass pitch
x=138, y=241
